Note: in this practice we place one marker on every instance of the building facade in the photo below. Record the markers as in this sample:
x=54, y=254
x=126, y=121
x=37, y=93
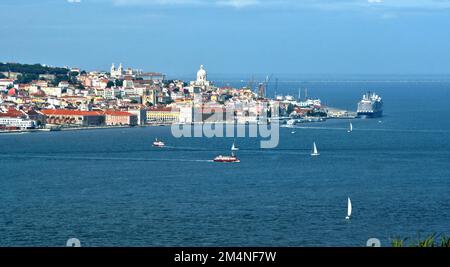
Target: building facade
x=114, y=118
x=163, y=115
x=74, y=117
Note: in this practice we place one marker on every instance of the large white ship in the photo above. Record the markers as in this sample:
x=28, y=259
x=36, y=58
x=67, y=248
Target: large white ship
x=371, y=106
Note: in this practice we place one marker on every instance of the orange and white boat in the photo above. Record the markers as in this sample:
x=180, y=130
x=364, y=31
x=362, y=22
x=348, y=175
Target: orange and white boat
x=158, y=143
x=230, y=159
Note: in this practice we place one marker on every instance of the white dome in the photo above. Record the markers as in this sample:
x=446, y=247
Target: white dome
x=201, y=72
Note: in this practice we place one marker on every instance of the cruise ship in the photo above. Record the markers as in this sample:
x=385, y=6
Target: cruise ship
x=370, y=106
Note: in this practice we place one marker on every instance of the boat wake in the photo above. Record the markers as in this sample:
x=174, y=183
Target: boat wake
x=24, y=157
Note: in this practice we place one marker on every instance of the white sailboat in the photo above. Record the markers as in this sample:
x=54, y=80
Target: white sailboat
x=349, y=209
x=234, y=148
x=315, y=152
x=351, y=128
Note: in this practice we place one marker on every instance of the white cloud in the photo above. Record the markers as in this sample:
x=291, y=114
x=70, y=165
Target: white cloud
x=74, y=1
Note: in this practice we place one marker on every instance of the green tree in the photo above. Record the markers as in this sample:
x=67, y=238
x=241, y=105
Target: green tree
x=119, y=83
x=27, y=78
x=59, y=78
x=110, y=84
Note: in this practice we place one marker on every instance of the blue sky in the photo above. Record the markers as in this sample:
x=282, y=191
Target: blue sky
x=231, y=36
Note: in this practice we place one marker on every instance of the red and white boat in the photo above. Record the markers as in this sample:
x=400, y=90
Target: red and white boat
x=231, y=158
x=158, y=143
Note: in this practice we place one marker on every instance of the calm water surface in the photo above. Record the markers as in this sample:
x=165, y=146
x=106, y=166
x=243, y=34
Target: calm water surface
x=111, y=188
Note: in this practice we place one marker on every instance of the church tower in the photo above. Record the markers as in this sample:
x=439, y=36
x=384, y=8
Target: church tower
x=120, y=69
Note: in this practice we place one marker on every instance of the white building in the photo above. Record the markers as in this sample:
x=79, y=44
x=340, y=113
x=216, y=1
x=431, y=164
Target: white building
x=4, y=83
x=186, y=113
x=116, y=73
x=202, y=83
x=17, y=122
x=52, y=91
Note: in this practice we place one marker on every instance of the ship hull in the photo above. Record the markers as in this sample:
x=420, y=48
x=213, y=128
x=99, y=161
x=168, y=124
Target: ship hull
x=227, y=161
x=370, y=115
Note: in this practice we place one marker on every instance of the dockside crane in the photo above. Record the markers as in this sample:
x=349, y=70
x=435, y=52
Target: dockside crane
x=264, y=87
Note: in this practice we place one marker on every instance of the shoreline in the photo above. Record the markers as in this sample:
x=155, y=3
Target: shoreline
x=142, y=126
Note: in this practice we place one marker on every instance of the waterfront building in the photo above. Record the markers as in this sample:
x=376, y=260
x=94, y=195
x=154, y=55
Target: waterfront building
x=14, y=118
x=140, y=113
x=163, y=115
x=186, y=113
x=74, y=117
x=113, y=117
x=20, y=123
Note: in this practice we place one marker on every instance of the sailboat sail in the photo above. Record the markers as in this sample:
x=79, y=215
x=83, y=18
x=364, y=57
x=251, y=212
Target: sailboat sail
x=315, y=152
x=351, y=127
x=349, y=209
x=234, y=148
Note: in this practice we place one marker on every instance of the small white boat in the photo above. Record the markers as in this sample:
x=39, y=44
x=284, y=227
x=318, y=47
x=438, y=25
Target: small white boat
x=349, y=209
x=291, y=122
x=158, y=143
x=350, y=129
x=293, y=132
x=315, y=152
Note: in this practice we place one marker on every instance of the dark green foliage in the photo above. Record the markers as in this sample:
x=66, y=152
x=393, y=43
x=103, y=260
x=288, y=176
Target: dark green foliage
x=27, y=77
x=34, y=69
x=119, y=83
x=430, y=241
x=60, y=78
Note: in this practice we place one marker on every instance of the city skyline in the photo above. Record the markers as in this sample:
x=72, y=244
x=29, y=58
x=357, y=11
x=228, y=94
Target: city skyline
x=231, y=37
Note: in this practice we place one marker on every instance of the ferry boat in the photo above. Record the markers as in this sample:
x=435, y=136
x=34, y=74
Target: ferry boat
x=230, y=159
x=158, y=143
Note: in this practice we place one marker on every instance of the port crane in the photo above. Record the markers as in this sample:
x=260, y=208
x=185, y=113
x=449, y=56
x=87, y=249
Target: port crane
x=263, y=87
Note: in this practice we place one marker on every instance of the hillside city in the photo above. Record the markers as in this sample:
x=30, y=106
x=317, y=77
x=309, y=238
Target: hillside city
x=55, y=98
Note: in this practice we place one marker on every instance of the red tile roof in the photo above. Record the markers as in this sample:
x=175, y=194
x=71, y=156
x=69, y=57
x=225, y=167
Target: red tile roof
x=117, y=113
x=66, y=112
x=12, y=113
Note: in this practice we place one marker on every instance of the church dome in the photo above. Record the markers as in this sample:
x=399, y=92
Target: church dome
x=201, y=74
